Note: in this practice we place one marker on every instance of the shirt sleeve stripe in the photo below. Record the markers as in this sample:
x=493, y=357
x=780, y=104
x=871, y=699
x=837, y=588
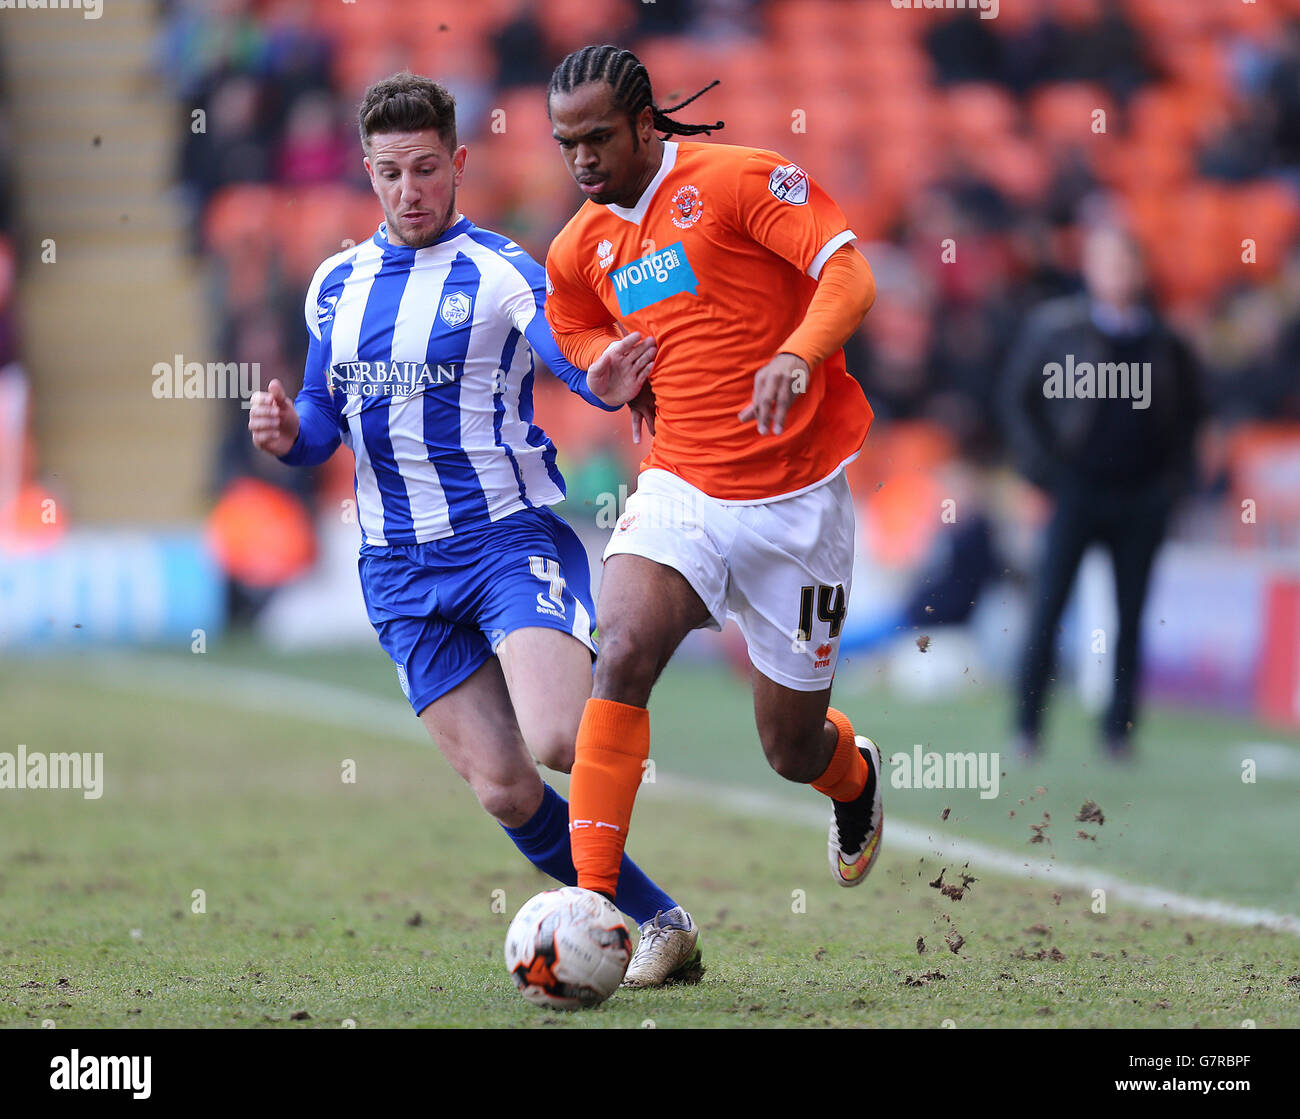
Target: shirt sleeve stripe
x=819, y=261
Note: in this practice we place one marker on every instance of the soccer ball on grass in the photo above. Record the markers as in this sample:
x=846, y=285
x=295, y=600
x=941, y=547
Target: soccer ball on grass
x=567, y=949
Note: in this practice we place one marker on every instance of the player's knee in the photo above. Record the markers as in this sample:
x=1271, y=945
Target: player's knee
x=625, y=668
x=554, y=749
x=792, y=756
x=511, y=802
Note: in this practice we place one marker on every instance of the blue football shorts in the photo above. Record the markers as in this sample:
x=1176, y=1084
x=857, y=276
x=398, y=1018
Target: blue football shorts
x=441, y=609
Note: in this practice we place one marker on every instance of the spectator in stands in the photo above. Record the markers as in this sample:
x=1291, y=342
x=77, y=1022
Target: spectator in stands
x=234, y=147
x=204, y=39
x=314, y=149
x=1114, y=464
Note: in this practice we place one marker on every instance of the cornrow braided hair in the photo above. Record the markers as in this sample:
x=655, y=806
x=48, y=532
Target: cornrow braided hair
x=627, y=76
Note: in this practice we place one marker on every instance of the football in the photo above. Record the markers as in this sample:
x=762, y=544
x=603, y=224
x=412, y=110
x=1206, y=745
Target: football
x=567, y=949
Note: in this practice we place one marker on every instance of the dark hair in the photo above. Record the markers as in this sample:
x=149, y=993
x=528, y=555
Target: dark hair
x=406, y=102
x=623, y=72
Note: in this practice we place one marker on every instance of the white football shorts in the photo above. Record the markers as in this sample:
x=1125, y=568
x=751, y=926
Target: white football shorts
x=782, y=569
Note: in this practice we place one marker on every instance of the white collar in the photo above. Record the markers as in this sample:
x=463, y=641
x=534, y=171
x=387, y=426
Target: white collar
x=637, y=213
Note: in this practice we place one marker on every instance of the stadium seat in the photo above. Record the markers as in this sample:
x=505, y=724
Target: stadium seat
x=1061, y=114
x=239, y=214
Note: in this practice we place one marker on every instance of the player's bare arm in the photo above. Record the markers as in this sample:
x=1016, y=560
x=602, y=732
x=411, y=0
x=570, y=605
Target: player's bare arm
x=273, y=420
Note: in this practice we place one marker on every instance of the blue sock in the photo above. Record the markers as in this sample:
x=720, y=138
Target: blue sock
x=544, y=841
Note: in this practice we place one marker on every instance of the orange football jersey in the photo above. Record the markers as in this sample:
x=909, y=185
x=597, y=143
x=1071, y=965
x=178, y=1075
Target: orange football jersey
x=718, y=261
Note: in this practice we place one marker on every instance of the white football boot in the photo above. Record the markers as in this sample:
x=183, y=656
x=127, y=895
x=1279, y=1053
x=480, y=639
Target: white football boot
x=856, y=825
x=668, y=951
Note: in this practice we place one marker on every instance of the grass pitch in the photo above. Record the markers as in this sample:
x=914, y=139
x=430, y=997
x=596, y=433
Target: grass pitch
x=384, y=902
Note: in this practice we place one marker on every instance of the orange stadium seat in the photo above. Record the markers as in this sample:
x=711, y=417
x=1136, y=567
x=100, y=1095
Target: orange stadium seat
x=568, y=25
x=239, y=214
x=677, y=69
x=1061, y=114
x=808, y=21
x=1267, y=213
x=1016, y=166
x=976, y=113
x=880, y=25
x=1145, y=161
x=359, y=63
x=318, y=221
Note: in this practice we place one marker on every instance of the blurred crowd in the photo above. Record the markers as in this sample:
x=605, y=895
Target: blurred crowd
x=969, y=154
x=14, y=388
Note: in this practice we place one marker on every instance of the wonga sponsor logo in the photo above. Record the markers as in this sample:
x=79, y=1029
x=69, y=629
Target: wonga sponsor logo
x=653, y=278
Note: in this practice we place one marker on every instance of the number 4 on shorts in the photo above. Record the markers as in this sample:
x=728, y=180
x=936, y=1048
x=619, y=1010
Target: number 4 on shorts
x=830, y=608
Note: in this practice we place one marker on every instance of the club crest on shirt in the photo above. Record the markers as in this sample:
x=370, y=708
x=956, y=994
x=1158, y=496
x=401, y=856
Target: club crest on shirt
x=689, y=207
x=455, y=308
x=789, y=183
x=605, y=253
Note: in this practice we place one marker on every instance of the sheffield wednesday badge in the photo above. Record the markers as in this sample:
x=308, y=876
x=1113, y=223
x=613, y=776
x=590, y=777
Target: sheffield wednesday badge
x=455, y=308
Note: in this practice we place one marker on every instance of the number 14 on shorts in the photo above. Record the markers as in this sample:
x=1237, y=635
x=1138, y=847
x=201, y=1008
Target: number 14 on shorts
x=830, y=608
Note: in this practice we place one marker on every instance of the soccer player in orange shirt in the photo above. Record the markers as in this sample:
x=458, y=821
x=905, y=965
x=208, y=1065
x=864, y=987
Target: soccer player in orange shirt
x=742, y=271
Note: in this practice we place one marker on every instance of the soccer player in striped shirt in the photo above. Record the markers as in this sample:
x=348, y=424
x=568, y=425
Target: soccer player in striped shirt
x=743, y=271
x=421, y=360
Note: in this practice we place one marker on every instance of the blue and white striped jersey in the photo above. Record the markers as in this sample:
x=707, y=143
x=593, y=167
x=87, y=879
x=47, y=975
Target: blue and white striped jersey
x=421, y=361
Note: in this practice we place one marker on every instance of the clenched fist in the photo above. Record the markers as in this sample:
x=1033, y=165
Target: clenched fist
x=273, y=420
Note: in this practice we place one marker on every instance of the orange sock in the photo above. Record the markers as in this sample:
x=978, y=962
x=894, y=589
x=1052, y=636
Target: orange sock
x=613, y=742
x=847, y=774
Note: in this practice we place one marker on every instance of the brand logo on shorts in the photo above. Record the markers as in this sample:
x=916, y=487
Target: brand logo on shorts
x=626, y=522
x=455, y=308
x=548, y=570
x=823, y=656
x=401, y=679
x=605, y=253
x=689, y=207
x=789, y=183
x=546, y=606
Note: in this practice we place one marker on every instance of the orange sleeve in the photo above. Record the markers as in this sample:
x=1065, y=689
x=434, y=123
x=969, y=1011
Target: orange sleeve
x=580, y=322
x=845, y=291
x=781, y=207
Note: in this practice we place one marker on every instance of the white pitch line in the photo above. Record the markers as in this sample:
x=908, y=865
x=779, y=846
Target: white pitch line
x=899, y=833
x=292, y=697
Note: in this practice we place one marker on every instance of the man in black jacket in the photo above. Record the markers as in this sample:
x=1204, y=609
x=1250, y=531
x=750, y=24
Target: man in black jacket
x=1101, y=402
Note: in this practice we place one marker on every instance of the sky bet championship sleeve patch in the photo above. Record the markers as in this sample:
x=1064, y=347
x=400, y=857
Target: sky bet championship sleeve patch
x=653, y=278
x=789, y=183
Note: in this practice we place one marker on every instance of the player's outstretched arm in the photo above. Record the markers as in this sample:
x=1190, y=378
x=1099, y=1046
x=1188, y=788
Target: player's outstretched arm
x=273, y=420
x=618, y=375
